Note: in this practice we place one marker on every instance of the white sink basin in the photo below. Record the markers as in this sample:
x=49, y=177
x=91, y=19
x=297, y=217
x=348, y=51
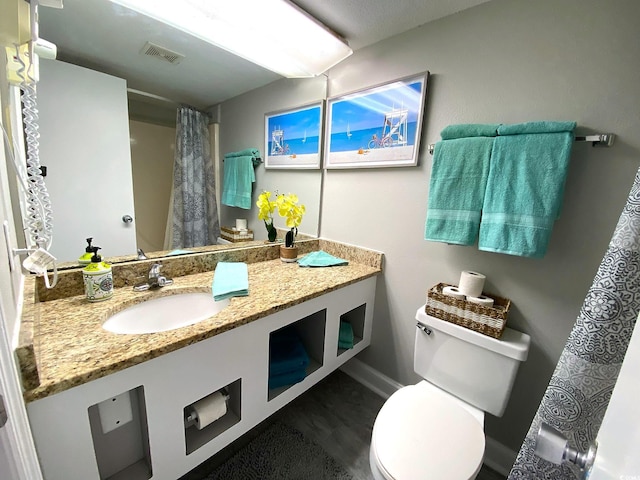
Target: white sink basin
x=165, y=313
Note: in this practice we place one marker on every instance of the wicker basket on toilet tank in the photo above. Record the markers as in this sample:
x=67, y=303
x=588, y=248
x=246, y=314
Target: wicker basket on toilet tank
x=489, y=321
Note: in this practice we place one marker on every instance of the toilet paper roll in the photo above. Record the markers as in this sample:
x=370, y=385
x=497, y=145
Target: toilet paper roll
x=209, y=409
x=481, y=300
x=241, y=223
x=453, y=292
x=471, y=283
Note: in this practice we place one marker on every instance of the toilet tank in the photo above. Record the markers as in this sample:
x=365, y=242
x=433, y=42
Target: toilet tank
x=474, y=367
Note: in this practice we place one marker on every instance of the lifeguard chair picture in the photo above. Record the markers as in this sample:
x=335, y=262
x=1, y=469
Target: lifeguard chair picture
x=377, y=127
x=292, y=137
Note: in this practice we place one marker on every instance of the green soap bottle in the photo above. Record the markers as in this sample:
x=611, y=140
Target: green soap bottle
x=85, y=258
x=98, y=278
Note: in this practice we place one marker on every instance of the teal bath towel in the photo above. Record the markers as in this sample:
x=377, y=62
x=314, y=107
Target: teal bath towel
x=239, y=177
x=321, y=259
x=230, y=279
x=525, y=187
x=345, y=337
x=463, y=130
x=286, y=352
x=456, y=189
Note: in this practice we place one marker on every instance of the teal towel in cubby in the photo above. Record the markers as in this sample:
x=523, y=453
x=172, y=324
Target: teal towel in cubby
x=288, y=378
x=456, y=189
x=321, y=259
x=238, y=179
x=230, y=279
x=525, y=187
x=464, y=130
x=345, y=337
x=286, y=352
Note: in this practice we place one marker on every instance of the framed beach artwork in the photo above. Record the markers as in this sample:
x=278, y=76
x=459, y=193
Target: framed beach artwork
x=293, y=137
x=376, y=127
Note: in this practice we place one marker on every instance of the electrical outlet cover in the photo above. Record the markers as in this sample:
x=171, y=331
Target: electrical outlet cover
x=115, y=412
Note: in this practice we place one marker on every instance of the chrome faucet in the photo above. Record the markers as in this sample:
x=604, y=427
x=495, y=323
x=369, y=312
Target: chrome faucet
x=154, y=280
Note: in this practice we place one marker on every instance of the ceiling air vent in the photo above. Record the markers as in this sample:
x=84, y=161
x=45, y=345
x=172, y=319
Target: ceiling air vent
x=161, y=53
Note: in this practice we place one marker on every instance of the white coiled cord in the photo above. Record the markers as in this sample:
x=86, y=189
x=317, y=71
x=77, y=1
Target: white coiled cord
x=39, y=221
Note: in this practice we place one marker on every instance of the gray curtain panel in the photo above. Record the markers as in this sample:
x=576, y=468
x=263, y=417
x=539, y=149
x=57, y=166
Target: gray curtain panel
x=195, y=212
x=580, y=388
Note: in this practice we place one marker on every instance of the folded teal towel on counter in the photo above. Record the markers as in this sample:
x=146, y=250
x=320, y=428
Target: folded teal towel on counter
x=456, y=189
x=345, y=337
x=464, y=130
x=230, y=279
x=525, y=188
x=321, y=259
x=178, y=252
x=238, y=179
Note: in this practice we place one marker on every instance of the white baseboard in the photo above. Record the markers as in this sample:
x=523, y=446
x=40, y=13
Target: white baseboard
x=496, y=455
x=371, y=378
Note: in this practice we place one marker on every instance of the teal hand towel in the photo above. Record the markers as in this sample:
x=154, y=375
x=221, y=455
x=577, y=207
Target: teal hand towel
x=238, y=179
x=230, y=279
x=345, y=337
x=524, y=191
x=321, y=259
x=254, y=153
x=464, y=130
x=456, y=189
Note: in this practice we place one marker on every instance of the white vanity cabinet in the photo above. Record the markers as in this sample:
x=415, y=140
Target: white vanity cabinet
x=146, y=434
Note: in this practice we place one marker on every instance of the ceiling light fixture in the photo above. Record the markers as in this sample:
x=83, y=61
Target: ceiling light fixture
x=274, y=34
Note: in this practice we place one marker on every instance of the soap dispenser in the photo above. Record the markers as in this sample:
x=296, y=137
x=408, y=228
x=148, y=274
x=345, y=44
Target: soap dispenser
x=98, y=279
x=85, y=258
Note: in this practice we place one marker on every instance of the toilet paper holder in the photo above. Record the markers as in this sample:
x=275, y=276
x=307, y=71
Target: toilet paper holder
x=190, y=418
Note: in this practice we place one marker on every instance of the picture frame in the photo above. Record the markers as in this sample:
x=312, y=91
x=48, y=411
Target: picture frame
x=293, y=137
x=378, y=126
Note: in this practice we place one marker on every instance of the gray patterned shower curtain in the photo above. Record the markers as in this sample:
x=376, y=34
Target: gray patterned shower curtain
x=580, y=388
x=195, y=212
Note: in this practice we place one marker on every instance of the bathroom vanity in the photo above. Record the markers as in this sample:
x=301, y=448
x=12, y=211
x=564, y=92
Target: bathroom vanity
x=114, y=406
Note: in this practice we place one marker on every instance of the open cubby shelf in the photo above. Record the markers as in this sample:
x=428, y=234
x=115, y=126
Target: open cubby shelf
x=195, y=438
x=356, y=318
x=311, y=330
x=122, y=452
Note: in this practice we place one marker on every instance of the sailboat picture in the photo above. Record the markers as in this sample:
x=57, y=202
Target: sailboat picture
x=292, y=137
x=376, y=127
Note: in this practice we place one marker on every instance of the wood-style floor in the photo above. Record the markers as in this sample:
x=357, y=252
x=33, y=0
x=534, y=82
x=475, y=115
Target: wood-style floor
x=337, y=414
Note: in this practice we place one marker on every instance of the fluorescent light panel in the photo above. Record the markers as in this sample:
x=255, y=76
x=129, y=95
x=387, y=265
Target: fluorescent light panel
x=274, y=34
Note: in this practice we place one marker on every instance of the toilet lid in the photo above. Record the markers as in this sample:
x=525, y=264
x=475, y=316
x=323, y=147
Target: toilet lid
x=419, y=435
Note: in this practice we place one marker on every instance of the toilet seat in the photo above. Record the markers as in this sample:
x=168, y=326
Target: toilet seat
x=420, y=433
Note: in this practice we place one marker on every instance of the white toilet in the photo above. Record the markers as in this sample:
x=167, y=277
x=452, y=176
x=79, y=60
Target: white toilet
x=435, y=429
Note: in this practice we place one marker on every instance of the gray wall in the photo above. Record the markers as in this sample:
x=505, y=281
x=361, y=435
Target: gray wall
x=242, y=126
x=505, y=61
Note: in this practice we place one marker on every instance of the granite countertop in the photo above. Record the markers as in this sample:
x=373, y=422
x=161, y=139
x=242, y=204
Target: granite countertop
x=69, y=346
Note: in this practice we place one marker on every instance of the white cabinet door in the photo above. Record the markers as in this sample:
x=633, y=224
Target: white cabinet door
x=84, y=143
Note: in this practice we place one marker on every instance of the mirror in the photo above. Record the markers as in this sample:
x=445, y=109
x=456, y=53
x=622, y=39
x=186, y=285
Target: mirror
x=105, y=37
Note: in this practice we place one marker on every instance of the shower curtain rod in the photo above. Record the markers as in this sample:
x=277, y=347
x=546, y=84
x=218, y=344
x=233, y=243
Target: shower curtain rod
x=597, y=140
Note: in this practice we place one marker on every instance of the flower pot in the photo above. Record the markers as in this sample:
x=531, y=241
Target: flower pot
x=288, y=254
